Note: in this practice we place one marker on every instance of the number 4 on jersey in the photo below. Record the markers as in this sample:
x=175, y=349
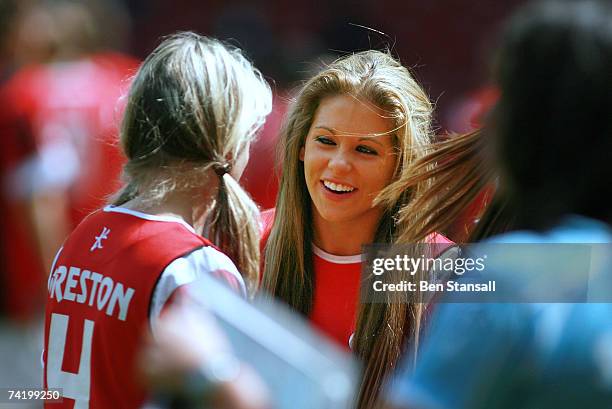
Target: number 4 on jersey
x=75, y=386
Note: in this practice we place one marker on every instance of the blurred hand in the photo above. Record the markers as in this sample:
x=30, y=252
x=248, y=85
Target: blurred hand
x=184, y=341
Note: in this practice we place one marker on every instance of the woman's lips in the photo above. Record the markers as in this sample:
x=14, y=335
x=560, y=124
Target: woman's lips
x=337, y=195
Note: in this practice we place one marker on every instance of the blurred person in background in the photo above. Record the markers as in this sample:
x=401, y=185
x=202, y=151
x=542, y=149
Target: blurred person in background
x=469, y=115
x=19, y=339
x=193, y=108
x=260, y=177
x=58, y=155
x=551, y=140
x=58, y=134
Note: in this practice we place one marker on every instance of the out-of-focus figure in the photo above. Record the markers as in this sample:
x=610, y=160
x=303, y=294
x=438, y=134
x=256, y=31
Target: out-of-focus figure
x=58, y=128
x=59, y=96
x=470, y=114
x=551, y=139
x=260, y=177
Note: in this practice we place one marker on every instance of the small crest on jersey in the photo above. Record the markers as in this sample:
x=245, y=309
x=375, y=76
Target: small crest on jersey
x=102, y=236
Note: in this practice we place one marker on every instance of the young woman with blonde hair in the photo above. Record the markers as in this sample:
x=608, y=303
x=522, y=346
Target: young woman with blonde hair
x=193, y=108
x=352, y=131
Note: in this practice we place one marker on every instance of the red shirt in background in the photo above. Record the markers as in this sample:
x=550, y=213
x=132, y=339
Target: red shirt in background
x=260, y=176
x=58, y=130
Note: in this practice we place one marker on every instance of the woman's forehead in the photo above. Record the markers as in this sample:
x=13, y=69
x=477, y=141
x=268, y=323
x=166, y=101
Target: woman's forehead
x=347, y=115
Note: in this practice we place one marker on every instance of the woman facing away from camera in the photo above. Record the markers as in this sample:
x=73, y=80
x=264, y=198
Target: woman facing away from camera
x=352, y=132
x=193, y=108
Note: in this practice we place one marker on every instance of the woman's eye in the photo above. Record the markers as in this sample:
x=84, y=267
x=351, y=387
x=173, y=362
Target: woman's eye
x=324, y=140
x=367, y=150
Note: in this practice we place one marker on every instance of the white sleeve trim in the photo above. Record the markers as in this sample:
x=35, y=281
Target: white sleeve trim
x=185, y=270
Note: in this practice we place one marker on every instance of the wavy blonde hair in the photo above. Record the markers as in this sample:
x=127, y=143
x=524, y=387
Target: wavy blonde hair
x=455, y=171
x=375, y=77
x=194, y=105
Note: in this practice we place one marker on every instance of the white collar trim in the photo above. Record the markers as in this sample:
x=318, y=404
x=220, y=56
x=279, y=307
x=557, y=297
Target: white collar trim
x=332, y=258
x=135, y=213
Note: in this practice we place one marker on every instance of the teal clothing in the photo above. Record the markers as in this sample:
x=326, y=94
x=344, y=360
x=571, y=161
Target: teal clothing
x=536, y=356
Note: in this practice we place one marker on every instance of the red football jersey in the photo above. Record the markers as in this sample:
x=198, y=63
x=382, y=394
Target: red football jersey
x=337, y=284
x=336, y=295
x=99, y=296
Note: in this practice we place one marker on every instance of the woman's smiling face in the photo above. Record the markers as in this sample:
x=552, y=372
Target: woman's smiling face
x=349, y=157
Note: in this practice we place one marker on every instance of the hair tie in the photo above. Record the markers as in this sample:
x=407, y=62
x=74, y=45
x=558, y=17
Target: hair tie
x=221, y=170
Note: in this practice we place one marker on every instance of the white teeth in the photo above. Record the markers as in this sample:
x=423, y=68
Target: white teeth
x=338, y=187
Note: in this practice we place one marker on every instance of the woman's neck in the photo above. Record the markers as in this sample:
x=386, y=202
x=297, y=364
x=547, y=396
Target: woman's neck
x=343, y=238
x=172, y=205
x=189, y=206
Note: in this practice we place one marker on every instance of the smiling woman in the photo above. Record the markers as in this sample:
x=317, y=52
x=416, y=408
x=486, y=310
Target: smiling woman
x=347, y=140
x=352, y=131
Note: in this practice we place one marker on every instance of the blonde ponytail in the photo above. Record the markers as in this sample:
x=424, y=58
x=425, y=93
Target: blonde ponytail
x=234, y=227
x=194, y=106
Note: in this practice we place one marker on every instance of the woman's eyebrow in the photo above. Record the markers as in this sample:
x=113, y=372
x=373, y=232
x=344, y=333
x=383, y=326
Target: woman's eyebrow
x=326, y=128
x=371, y=139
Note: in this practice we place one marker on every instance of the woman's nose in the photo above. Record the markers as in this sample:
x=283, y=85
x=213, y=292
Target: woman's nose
x=339, y=162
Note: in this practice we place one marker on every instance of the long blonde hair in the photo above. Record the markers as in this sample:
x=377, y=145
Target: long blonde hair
x=193, y=106
x=455, y=171
x=378, y=78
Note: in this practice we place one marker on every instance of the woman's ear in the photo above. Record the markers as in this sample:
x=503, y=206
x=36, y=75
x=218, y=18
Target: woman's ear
x=302, y=150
